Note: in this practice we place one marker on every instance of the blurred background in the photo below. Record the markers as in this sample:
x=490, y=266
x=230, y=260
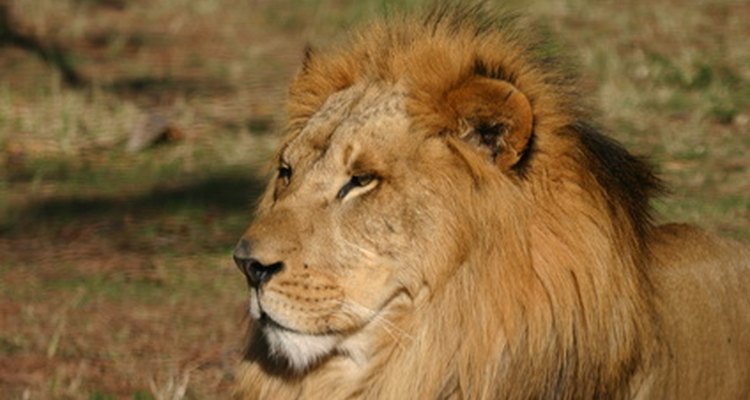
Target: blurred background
x=134, y=134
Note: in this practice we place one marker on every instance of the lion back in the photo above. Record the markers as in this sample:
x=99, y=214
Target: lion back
x=703, y=298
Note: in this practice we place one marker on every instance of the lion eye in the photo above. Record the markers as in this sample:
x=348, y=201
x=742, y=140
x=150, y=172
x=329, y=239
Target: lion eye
x=357, y=181
x=285, y=173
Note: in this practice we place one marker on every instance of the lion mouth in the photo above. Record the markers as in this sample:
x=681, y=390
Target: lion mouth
x=269, y=323
x=263, y=318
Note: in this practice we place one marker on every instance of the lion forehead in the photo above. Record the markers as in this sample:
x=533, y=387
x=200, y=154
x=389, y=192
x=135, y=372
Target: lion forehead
x=366, y=113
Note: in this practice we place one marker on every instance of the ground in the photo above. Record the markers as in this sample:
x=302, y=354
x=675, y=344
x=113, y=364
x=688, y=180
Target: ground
x=116, y=279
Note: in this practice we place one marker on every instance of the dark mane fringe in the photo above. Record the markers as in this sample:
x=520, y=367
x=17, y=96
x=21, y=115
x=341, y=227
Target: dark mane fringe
x=626, y=180
x=454, y=14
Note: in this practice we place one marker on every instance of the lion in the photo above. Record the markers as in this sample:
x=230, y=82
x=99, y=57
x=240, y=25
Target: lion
x=446, y=221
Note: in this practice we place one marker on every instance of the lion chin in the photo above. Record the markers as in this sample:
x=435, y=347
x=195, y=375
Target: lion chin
x=298, y=349
x=447, y=222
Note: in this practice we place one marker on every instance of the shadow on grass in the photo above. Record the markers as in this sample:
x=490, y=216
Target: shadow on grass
x=164, y=88
x=202, y=215
x=223, y=194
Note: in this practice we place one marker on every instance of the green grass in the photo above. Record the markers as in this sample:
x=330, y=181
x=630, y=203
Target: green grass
x=115, y=275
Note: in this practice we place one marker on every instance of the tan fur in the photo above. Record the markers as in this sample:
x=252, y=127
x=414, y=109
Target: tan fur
x=493, y=254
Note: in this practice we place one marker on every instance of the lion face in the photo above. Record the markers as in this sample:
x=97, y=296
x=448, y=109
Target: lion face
x=367, y=212
x=338, y=240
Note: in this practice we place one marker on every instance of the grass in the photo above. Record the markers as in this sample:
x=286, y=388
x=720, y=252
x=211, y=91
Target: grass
x=115, y=275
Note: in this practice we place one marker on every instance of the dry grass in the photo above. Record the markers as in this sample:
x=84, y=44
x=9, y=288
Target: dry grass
x=115, y=275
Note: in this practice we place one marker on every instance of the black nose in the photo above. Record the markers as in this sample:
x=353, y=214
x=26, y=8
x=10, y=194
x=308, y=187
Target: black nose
x=256, y=272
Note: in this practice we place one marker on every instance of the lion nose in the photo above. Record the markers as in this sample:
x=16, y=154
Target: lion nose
x=256, y=272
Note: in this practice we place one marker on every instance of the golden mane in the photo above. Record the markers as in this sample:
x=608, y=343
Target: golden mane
x=567, y=308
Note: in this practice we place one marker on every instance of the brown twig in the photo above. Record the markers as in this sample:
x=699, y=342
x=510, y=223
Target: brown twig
x=53, y=54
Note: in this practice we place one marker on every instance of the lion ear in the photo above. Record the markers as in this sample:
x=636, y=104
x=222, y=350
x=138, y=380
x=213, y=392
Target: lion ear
x=496, y=118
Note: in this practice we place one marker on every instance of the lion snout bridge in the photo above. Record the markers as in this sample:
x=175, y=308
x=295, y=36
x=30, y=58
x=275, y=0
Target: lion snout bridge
x=256, y=272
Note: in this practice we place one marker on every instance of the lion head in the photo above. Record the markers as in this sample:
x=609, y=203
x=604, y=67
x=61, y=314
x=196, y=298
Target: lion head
x=445, y=220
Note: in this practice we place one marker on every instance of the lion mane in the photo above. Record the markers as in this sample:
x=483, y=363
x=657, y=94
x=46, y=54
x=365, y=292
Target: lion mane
x=443, y=173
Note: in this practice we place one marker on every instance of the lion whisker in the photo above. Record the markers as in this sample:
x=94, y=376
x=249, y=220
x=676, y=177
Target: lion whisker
x=369, y=254
x=389, y=327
